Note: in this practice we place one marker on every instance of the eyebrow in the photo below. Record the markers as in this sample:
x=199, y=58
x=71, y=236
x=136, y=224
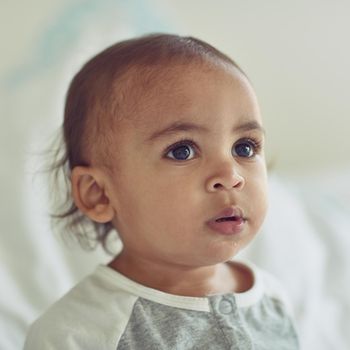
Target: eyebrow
x=186, y=126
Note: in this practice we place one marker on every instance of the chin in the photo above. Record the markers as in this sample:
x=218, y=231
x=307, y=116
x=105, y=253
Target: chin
x=219, y=256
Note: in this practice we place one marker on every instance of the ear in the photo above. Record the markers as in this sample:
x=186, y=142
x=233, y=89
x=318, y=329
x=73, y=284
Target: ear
x=89, y=193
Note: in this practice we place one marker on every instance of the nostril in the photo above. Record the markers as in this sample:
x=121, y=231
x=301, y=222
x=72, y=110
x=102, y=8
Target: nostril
x=219, y=183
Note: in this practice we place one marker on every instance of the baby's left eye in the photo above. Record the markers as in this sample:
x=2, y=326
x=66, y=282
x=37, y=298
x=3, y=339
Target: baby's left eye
x=245, y=149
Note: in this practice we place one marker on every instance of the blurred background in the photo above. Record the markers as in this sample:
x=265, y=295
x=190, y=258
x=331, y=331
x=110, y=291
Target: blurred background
x=297, y=55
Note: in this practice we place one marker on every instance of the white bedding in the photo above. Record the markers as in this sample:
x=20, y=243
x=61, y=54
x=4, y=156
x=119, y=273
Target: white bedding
x=304, y=242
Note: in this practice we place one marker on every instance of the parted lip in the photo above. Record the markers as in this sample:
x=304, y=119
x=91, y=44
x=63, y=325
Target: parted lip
x=228, y=212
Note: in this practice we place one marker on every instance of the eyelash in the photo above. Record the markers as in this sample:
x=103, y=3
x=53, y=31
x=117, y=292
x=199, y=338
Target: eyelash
x=254, y=142
x=182, y=142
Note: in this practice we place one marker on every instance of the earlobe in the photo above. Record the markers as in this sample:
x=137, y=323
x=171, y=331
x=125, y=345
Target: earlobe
x=89, y=194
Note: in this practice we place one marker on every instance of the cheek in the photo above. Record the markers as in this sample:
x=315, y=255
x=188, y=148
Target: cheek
x=146, y=196
x=257, y=189
x=259, y=199
x=174, y=201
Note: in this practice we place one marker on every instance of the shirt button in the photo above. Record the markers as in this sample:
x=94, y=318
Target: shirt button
x=225, y=307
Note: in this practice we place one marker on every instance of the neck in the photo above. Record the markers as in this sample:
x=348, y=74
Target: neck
x=177, y=279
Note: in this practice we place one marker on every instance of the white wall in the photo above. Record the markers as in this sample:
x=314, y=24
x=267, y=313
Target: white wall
x=295, y=52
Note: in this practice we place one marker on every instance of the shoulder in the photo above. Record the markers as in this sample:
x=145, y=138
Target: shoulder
x=276, y=292
x=92, y=315
x=269, y=286
x=274, y=289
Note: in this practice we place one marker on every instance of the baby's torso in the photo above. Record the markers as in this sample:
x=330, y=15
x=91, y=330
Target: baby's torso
x=109, y=311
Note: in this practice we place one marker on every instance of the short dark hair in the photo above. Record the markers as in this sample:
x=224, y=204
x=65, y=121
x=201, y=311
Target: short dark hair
x=99, y=91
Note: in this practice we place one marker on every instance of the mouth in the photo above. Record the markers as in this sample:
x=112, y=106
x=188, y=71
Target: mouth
x=229, y=218
x=228, y=214
x=230, y=221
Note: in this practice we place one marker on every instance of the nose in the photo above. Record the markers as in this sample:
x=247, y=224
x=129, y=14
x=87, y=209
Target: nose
x=225, y=178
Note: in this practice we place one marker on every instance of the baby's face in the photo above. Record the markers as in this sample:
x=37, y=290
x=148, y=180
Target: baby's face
x=192, y=151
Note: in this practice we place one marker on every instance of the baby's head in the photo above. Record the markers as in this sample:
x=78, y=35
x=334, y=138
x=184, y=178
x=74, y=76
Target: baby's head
x=163, y=136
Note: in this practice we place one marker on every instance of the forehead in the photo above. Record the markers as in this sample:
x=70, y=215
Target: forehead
x=191, y=93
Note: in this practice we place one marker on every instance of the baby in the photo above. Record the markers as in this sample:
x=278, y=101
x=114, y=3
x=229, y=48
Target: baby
x=164, y=143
